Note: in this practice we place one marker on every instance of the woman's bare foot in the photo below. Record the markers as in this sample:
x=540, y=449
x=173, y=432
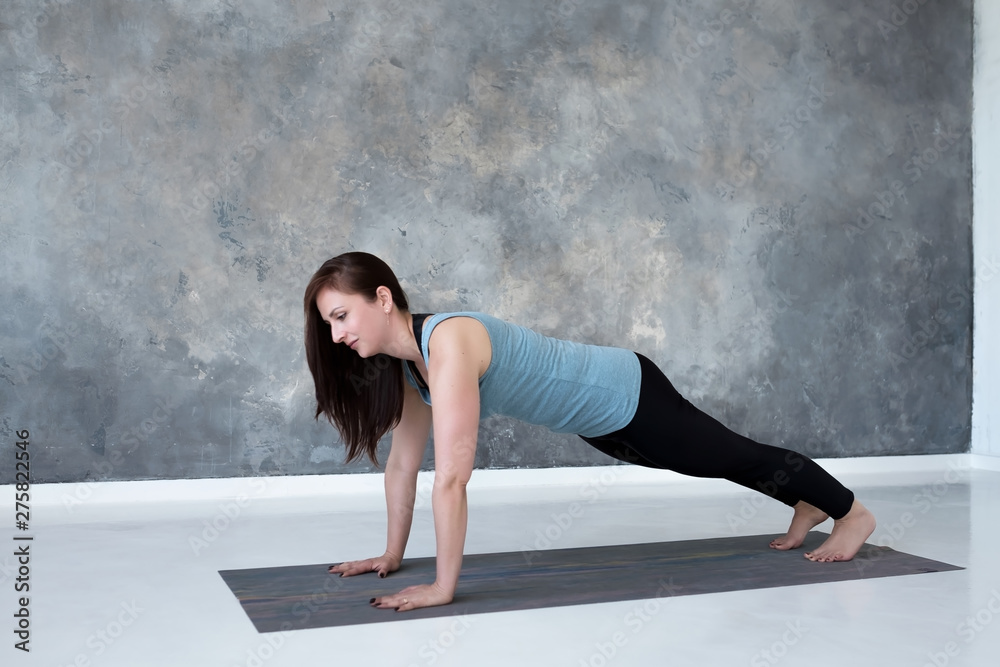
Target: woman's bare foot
x=805, y=519
x=849, y=533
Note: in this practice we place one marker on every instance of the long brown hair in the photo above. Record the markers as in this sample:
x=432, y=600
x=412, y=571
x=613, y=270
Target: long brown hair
x=363, y=398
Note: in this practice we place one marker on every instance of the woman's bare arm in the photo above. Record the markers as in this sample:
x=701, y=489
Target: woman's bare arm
x=409, y=441
x=454, y=381
x=459, y=352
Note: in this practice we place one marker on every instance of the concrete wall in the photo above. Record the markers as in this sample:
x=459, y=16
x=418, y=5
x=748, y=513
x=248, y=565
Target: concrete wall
x=771, y=199
x=986, y=204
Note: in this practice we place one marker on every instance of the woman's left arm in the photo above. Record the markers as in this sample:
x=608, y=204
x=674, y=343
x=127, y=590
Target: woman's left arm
x=456, y=359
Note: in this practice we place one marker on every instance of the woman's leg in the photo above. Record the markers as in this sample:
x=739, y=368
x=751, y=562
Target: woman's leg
x=667, y=431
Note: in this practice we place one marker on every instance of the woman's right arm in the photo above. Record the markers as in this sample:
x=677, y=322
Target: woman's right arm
x=409, y=441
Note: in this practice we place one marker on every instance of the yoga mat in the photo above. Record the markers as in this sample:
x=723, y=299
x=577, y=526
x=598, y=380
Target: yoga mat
x=306, y=596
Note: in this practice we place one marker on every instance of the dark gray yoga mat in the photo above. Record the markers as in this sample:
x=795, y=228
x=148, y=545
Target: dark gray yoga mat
x=306, y=596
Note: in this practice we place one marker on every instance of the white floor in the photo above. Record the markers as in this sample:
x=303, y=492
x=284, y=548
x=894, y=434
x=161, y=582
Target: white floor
x=136, y=583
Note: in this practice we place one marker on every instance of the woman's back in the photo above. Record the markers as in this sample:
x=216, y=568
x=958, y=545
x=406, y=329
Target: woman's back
x=566, y=386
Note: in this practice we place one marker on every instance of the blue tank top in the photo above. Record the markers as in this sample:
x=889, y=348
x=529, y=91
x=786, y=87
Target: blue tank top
x=568, y=387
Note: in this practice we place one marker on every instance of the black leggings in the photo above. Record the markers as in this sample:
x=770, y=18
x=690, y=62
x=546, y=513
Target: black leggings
x=668, y=432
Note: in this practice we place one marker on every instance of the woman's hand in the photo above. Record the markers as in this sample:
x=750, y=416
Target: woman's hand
x=414, y=597
x=384, y=564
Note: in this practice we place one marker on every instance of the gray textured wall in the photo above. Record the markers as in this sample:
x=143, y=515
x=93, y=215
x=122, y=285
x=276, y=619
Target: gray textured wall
x=683, y=178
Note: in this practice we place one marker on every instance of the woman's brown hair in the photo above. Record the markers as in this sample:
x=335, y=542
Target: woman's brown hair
x=363, y=398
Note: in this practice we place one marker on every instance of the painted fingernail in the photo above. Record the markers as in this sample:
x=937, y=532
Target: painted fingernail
x=371, y=601
x=381, y=575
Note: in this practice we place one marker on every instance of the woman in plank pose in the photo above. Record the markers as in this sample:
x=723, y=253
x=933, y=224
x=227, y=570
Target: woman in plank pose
x=377, y=366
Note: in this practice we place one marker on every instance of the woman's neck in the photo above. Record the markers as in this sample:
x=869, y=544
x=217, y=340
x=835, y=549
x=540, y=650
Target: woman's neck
x=403, y=343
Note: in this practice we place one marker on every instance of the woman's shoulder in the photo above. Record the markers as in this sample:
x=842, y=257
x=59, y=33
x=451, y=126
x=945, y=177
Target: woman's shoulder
x=461, y=335
x=472, y=314
x=458, y=323
x=461, y=320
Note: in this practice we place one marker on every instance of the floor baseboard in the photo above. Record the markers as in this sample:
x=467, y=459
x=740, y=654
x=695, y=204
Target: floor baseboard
x=878, y=470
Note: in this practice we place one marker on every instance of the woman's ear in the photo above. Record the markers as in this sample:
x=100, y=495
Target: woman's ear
x=384, y=296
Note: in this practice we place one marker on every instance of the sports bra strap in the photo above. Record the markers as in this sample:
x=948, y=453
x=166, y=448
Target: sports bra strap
x=418, y=327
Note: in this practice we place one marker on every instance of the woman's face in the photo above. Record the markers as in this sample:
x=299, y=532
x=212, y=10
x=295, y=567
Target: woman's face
x=354, y=321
